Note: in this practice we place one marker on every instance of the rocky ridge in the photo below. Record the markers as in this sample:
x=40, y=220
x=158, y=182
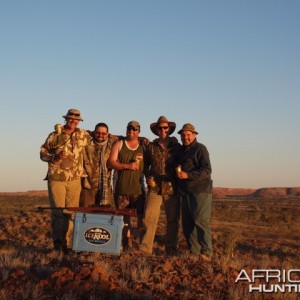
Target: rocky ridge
x=218, y=192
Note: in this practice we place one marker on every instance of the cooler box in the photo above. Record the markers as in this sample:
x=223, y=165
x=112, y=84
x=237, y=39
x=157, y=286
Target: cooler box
x=97, y=233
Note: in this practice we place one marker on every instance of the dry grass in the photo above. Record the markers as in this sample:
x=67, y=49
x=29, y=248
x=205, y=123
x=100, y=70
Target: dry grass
x=247, y=234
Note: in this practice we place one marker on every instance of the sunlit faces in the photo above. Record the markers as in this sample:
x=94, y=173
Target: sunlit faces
x=132, y=132
x=71, y=123
x=187, y=137
x=101, y=134
x=163, y=129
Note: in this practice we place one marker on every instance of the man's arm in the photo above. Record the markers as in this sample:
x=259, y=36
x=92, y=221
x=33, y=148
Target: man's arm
x=47, y=150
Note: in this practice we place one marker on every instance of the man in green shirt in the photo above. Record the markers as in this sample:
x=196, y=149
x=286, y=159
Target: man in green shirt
x=127, y=158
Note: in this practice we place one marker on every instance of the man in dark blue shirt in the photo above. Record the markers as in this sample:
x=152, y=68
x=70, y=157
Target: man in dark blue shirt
x=195, y=190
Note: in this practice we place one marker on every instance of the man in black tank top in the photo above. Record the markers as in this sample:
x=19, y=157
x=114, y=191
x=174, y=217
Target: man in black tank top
x=127, y=158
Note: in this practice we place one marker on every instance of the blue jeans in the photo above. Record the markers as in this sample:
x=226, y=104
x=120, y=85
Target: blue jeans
x=196, y=216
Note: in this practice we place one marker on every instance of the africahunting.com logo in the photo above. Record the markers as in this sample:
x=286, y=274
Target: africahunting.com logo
x=271, y=280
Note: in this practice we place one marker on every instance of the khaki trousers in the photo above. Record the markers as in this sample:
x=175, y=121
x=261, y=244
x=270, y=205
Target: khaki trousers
x=63, y=194
x=152, y=214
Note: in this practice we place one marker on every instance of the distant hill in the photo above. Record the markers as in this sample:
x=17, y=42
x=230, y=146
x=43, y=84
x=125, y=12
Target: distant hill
x=274, y=192
x=33, y=193
x=218, y=192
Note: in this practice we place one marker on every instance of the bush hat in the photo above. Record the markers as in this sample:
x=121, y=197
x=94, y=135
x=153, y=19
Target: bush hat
x=188, y=127
x=163, y=119
x=134, y=124
x=73, y=114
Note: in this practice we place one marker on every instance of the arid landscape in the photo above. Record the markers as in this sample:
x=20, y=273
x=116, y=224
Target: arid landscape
x=252, y=229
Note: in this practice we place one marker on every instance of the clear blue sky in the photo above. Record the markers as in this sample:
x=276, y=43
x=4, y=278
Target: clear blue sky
x=232, y=68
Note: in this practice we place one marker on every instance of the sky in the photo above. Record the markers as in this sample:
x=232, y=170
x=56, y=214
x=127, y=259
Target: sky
x=231, y=68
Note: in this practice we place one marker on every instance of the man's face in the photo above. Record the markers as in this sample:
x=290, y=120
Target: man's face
x=101, y=134
x=187, y=137
x=71, y=123
x=163, y=130
x=132, y=133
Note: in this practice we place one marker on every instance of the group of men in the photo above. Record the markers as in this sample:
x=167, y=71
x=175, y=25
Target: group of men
x=80, y=165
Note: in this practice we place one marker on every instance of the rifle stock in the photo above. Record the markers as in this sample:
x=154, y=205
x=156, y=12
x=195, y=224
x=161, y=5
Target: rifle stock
x=96, y=209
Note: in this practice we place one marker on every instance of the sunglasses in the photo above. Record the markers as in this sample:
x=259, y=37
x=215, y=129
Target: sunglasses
x=132, y=128
x=162, y=127
x=75, y=115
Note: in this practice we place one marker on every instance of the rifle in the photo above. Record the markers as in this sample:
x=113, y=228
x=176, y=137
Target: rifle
x=96, y=209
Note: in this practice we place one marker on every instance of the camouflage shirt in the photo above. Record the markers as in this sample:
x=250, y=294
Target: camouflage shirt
x=70, y=168
x=159, y=163
x=92, y=158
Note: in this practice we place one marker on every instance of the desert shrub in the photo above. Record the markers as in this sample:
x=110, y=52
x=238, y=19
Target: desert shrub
x=228, y=241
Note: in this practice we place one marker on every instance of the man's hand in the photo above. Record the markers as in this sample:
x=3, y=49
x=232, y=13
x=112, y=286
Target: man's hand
x=182, y=175
x=144, y=141
x=133, y=166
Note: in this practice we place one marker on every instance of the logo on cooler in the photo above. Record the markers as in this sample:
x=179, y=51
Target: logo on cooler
x=97, y=236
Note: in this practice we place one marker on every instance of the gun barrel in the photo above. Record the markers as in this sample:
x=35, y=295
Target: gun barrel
x=124, y=211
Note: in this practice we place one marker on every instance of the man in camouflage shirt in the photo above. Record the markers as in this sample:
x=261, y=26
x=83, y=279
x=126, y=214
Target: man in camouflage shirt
x=63, y=151
x=96, y=185
x=160, y=177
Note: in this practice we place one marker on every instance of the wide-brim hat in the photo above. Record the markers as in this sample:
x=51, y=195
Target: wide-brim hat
x=73, y=114
x=188, y=127
x=163, y=119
